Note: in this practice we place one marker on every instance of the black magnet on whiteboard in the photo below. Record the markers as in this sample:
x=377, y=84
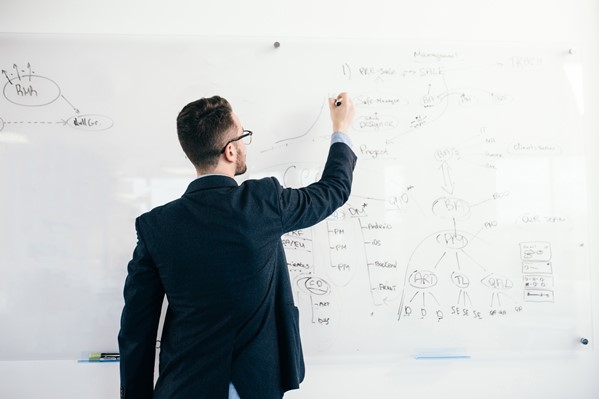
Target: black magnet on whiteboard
x=584, y=341
x=277, y=44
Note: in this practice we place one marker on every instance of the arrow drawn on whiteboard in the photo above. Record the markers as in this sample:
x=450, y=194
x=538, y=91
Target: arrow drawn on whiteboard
x=9, y=81
x=17, y=69
x=72, y=106
x=448, y=184
x=61, y=122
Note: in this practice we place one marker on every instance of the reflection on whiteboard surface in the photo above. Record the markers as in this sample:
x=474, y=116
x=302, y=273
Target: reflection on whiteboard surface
x=466, y=227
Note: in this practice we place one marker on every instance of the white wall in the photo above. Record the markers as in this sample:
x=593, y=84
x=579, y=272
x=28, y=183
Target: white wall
x=572, y=22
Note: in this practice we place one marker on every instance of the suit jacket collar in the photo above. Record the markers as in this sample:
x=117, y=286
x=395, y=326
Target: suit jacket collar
x=208, y=182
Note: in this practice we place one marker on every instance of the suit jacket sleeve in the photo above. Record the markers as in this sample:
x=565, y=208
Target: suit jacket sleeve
x=304, y=207
x=139, y=323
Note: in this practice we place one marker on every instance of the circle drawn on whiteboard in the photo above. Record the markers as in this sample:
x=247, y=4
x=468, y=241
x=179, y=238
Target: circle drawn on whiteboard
x=423, y=279
x=460, y=280
x=337, y=216
x=90, y=122
x=451, y=240
x=313, y=285
x=446, y=154
x=31, y=91
x=497, y=282
x=451, y=208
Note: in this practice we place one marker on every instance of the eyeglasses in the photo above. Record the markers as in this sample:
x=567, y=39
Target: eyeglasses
x=246, y=137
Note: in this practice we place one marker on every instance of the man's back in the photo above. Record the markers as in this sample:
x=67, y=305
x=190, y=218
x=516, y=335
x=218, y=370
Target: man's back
x=217, y=255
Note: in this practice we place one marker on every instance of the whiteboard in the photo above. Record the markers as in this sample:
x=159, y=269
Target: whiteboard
x=465, y=232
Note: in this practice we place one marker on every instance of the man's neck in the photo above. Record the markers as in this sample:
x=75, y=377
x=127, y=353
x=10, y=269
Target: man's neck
x=215, y=171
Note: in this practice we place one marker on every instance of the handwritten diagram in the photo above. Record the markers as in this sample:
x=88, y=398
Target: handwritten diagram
x=453, y=241
x=24, y=87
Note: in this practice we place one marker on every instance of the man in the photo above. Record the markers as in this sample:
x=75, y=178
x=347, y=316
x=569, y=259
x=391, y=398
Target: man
x=231, y=327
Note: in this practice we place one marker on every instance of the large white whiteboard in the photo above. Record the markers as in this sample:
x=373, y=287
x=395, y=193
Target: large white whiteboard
x=465, y=232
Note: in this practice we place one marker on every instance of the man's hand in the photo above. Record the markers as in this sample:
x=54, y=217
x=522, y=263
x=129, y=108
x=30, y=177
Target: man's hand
x=342, y=112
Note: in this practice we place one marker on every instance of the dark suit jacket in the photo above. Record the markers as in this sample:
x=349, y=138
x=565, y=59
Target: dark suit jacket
x=217, y=254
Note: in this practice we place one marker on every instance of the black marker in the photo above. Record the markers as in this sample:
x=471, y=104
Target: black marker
x=338, y=102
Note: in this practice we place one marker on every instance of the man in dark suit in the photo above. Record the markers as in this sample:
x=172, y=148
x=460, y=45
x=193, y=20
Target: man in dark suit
x=231, y=327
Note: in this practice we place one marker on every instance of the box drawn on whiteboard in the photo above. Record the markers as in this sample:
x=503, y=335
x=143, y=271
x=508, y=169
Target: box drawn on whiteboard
x=537, y=267
x=535, y=251
x=538, y=296
x=538, y=282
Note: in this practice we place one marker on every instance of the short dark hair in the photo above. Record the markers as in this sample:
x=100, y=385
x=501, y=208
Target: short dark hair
x=201, y=126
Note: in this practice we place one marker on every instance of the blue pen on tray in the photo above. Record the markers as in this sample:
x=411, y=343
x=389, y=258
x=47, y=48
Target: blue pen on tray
x=450, y=353
x=433, y=357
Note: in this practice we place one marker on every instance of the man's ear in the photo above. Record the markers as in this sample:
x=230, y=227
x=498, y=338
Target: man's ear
x=230, y=153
